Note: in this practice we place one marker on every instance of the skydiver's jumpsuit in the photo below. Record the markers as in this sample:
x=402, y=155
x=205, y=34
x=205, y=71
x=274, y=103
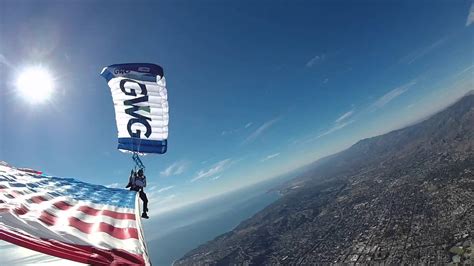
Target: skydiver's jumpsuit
x=137, y=183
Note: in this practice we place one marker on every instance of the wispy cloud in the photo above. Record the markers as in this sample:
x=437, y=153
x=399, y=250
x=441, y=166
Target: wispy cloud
x=228, y=132
x=315, y=60
x=271, y=156
x=344, y=116
x=260, y=130
x=470, y=16
x=351, y=116
x=390, y=96
x=115, y=185
x=4, y=60
x=165, y=200
x=334, y=128
x=213, y=170
x=176, y=168
x=235, y=130
x=340, y=123
x=414, y=56
x=165, y=189
x=216, y=177
x=464, y=71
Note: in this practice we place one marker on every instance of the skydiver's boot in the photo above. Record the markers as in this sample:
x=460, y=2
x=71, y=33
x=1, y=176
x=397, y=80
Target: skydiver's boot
x=144, y=215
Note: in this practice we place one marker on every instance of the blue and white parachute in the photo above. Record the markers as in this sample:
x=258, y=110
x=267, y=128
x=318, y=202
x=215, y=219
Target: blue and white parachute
x=141, y=106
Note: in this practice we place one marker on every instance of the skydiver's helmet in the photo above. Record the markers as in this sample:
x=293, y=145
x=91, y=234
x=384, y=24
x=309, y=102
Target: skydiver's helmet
x=140, y=172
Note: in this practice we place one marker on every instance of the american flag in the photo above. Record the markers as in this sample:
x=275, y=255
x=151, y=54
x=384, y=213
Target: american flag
x=70, y=219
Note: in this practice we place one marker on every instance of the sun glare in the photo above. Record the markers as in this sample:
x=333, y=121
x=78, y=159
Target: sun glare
x=35, y=84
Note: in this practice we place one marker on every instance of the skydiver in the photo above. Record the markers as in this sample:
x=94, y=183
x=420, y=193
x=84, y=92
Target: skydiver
x=137, y=182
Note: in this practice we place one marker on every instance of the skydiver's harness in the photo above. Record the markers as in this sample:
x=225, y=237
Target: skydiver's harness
x=135, y=183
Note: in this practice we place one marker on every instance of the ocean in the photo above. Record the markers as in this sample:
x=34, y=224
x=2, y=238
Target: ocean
x=178, y=232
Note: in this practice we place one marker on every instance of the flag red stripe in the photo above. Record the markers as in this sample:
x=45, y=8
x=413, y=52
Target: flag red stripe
x=120, y=233
x=21, y=210
x=37, y=199
x=48, y=218
x=74, y=252
x=116, y=215
x=62, y=205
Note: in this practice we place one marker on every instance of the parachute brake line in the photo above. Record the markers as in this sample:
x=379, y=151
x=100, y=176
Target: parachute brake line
x=137, y=161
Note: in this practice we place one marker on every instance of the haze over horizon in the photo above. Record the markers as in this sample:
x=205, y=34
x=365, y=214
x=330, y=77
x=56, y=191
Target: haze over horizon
x=252, y=100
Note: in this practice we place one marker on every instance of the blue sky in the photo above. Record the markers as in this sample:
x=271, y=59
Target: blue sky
x=255, y=89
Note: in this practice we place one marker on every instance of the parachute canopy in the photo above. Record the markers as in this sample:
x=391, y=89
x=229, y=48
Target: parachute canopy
x=141, y=106
x=69, y=219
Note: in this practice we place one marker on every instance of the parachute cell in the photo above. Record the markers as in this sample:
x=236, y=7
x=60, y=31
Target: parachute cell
x=141, y=106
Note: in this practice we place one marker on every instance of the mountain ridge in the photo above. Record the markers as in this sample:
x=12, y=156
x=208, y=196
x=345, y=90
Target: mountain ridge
x=365, y=144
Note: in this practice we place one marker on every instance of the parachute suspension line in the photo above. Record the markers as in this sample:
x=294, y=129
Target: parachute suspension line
x=136, y=157
x=138, y=162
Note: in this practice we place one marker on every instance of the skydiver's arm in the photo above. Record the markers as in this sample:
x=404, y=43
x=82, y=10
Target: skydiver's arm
x=144, y=181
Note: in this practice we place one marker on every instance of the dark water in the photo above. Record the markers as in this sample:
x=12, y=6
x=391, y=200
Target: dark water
x=179, y=232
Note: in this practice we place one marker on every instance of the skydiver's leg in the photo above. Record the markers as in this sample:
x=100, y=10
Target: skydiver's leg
x=144, y=198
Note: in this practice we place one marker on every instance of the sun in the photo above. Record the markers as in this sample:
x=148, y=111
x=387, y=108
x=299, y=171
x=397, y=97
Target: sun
x=35, y=84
